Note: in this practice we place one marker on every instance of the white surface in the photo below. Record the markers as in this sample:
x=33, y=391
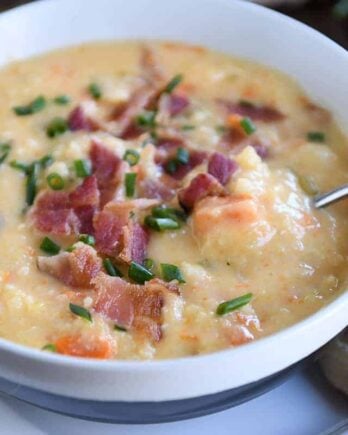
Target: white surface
x=240, y=28
x=304, y=405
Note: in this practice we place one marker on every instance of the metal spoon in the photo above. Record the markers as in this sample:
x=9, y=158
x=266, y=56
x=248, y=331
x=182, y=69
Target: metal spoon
x=331, y=197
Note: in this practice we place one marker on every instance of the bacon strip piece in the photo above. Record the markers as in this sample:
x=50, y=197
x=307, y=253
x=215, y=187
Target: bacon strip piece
x=132, y=306
x=64, y=213
x=201, y=186
x=134, y=241
x=78, y=120
x=221, y=167
x=255, y=112
x=76, y=269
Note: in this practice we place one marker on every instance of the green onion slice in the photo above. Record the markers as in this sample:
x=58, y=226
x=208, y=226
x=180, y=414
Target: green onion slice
x=120, y=328
x=5, y=149
x=174, y=82
x=233, y=304
x=49, y=347
x=171, y=166
x=111, y=269
x=170, y=272
x=31, y=183
x=132, y=157
x=163, y=211
x=130, y=182
x=139, y=273
x=49, y=246
x=62, y=100
x=147, y=119
x=87, y=239
x=46, y=161
x=161, y=224
x=182, y=156
x=56, y=127
x=33, y=107
x=24, y=167
x=316, y=136
x=55, y=181
x=83, y=168
x=80, y=311
x=149, y=264
x=95, y=91
x=248, y=126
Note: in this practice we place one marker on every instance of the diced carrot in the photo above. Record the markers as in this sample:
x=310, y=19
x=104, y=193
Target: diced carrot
x=74, y=345
x=234, y=121
x=251, y=91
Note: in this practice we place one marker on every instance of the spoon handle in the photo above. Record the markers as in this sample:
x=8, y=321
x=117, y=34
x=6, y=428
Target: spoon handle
x=331, y=197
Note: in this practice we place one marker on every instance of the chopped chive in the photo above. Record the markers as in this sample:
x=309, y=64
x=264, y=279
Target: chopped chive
x=120, y=328
x=248, y=126
x=161, y=224
x=132, y=157
x=70, y=248
x=130, y=181
x=24, y=167
x=147, y=118
x=95, y=91
x=171, y=166
x=182, y=156
x=233, y=304
x=149, y=264
x=49, y=347
x=87, y=239
x=55, y=181
x=340, y=10
x=33, y=107
x=316, y=136
x=80, y=311
x=187, y=127
x=46, y=161
x=62, y=100
x=49, y=246
x=174, y=82
x=170, y=272
x=139, y=273
x=163, y=211
x=31, y=183
x=5, y=149
x=111, y=269
x=83, y=168
x=246, y=103
x=56, y=127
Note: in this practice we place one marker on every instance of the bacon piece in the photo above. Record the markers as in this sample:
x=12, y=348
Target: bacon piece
x=108, y=231
x=134, y=240
x=261, y=150
x=76, y=268
x=255, y=112
x=107, y=167
x=196, y=158
x=177, y=104
x=221, y=167
x=233, y=138
x=201, y=186
x=86, y=194
x=132, y=306
x=78, y=120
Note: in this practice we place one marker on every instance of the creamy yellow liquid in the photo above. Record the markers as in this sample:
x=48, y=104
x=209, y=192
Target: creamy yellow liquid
x=293, y=259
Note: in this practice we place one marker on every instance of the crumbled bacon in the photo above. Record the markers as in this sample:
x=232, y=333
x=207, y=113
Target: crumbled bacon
x=253, y=111
x=134, y=241
x=132, y=306
x=177, y=104
x=107, y=167
x=201, y=186
x=64, y=213
x=108, y=231
x=75, y=269
x=78, y=120
x=221, y=167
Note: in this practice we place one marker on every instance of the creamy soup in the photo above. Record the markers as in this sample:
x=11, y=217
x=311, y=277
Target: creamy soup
x=156, y=202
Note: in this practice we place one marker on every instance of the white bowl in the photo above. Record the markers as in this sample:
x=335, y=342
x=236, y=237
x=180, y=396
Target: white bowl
x=236, y=27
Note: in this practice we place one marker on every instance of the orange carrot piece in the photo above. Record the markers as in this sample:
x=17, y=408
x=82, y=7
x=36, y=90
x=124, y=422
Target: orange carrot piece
x=75, y=346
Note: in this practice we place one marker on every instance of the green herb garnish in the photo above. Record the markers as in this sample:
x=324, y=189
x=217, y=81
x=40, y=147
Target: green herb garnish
x=80, y=311
x=248, y=126
x=149, y=264
x=55, y=181
x=182, y=156
x=171, y=166
x=62, y=100
x=120, y=328
x=95, y=91
x=83, y=168
x=23, y=167
x=316, y=136
x=132, y=157
x=163, y=211
x=139, y=273
x=50, y=347
x=87, y=239
x=46, y=161
x=187, y=127
x=5, y=149
x=31, y=183
x=233, y=304
x=33, y=107
x=56, y=127
x=49, y=246
x=174, y=82
x=130, y=182
x=147, y=119
x=161, y=224
x=170, y=272
x=111, y=269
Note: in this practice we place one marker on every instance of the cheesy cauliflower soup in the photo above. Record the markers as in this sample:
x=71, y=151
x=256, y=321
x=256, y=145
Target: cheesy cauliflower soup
x=156, y=202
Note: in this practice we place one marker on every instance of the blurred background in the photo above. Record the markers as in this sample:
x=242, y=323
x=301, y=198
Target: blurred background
x=328, y=16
